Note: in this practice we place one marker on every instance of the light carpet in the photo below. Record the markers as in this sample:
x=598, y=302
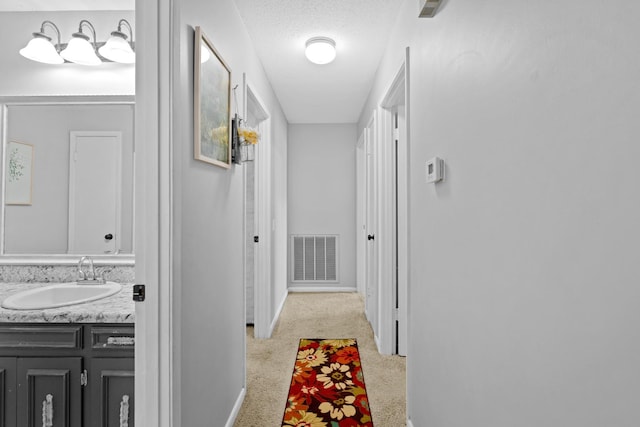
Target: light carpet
x=269, y=361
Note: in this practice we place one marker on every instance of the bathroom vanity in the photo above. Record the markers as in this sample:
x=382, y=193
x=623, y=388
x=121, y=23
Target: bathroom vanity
x=69, y=366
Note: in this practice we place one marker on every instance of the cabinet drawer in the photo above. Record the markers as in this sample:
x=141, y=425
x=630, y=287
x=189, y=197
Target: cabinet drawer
x=25, y=337
x=113, y=338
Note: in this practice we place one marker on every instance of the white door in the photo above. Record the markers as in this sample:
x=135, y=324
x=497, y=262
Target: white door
x=257, y=219
x=95, y=160
x=250, y=232
x=371, y=226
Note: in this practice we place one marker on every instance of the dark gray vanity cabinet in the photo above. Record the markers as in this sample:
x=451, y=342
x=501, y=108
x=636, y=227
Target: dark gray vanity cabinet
x=109, y=396
x=66, y=375
x=8, y=366
x=110, y=392
x=49, y=391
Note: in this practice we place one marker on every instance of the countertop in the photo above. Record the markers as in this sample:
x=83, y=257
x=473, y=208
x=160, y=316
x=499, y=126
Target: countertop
x=118, y=308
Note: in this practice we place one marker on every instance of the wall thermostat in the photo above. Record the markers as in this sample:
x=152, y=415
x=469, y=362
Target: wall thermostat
x=435, y=170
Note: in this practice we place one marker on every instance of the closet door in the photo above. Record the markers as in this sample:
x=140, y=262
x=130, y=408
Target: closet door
x=95, y=192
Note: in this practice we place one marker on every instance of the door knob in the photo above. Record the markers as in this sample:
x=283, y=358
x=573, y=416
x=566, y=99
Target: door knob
x=371, y=237
x=108, y=236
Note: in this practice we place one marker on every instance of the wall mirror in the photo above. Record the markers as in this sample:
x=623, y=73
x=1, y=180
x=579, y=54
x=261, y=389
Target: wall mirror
x=67, y=179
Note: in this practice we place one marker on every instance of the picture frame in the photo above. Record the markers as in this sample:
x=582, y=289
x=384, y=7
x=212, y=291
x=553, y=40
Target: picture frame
x=212, y=103
x=19, y=173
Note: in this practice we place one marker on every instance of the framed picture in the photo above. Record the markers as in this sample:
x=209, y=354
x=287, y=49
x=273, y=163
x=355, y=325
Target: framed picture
x=212, y=104
x=19, y=173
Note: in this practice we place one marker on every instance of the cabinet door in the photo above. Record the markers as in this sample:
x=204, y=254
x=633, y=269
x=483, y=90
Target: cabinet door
x=7, y=391
x=110, y=388
x=49, y=392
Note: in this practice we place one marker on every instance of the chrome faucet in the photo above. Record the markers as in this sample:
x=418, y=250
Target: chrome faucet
x=82, y=276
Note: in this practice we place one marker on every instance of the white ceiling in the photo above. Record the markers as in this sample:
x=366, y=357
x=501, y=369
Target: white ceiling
x=308, y=93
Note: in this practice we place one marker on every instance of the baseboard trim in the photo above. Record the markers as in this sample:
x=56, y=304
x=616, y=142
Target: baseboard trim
x=409, y=423
x=236, y=408
x=321, y=289
x=276, y=317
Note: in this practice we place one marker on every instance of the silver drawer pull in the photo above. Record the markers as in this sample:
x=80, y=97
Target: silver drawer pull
x=47, y=411
x=121, y=341
x=124, y=411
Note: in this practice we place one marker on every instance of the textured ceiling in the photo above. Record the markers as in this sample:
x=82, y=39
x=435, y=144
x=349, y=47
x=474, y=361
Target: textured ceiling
x=309, y=93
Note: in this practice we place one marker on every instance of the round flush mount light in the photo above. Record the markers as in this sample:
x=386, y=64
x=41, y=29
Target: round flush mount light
x=320, y=50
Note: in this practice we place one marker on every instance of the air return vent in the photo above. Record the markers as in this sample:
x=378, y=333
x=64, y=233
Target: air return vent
x=314, y=258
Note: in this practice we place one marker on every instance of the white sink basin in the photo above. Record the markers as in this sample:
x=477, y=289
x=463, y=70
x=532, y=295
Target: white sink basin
x=59, y=295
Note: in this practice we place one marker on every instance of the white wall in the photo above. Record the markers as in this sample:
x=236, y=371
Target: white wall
x=21, y=76
x=279, y=215
x=524, y=269
x=322, y=184
x=207, y=220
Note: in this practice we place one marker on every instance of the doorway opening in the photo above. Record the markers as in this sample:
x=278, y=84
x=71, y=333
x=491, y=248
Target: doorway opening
x=382, y=179
x=257, y=262
x=395, y=146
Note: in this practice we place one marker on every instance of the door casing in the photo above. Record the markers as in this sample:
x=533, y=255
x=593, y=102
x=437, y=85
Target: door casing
x=393, y=213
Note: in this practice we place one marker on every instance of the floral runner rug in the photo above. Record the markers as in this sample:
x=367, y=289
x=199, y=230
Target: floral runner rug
x=327, y=387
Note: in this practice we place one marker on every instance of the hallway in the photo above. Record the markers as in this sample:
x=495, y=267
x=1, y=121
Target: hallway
x=319, y=315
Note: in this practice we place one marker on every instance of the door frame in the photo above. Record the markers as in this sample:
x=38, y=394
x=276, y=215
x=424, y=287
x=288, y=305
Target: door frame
x=393, y=219
x=361, y=220
x=157, y=397
x=262, y=290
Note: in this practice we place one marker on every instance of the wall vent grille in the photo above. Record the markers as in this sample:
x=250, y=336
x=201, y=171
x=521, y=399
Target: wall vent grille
x=314, y=258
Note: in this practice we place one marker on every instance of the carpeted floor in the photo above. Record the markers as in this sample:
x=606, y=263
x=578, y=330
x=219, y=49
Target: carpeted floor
x=331, y=315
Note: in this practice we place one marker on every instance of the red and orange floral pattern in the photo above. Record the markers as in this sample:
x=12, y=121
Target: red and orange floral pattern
x=327, y=386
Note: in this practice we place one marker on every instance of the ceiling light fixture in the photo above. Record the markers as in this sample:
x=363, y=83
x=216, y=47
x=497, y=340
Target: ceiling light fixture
x=40, y=48
x=80, y=50
x=117, y=48
x=320, y=50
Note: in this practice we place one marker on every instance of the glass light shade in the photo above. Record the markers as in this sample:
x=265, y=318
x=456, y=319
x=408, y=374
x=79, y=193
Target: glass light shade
x=320, y=50
x=41, y=49
x=80, y=51
x=118, y=49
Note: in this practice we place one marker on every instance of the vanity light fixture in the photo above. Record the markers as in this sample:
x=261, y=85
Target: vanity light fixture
x=40, y=48
x=80, y=50
x=320, y=50
x=117, y=48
